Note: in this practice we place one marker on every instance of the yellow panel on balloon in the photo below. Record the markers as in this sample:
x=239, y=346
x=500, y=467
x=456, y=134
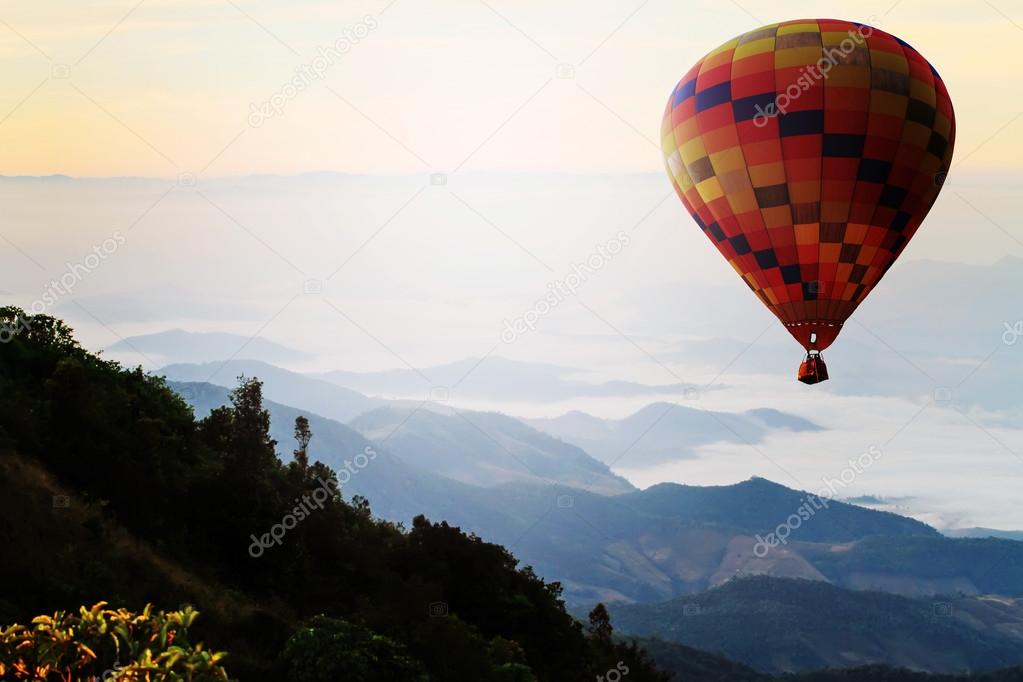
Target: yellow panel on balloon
x=796, y=56
x=752, y=48
x=922, y=91
x=807, y=27
x=710, y=189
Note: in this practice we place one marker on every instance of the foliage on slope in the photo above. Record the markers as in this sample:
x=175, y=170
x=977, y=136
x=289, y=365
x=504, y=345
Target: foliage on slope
x=200, y=493
x=102, y=643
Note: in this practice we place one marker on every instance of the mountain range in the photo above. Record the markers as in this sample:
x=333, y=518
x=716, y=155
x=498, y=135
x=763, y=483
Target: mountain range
x=282, y=386
x=658, y=432
x=985, y=533
x=485, y=449
x=180, y=346
x=496, y=376
x=488, y=377
x=631, y=546
x=853, y=586
x=542, y=487
x=785, y=625
x=666, y=431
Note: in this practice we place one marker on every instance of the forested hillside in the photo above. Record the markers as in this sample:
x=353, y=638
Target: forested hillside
x=113, y=491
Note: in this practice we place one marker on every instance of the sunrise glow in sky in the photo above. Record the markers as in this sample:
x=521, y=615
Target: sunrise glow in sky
x=164, y=87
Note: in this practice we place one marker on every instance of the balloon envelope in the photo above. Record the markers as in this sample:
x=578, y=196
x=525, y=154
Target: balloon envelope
x=809, y=152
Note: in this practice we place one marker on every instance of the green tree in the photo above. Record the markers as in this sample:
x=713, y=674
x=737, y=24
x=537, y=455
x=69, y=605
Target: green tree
x=329, y=649
x=302, y=435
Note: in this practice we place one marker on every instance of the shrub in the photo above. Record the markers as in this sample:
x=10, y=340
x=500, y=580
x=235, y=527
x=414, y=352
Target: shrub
x=108, y=644
x=328, y=649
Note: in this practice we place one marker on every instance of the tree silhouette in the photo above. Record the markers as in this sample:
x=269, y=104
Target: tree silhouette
x=600, y=624
x=303, y=435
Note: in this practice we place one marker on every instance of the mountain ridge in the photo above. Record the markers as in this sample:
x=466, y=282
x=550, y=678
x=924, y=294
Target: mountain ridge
x=206, y=347
x=664, y=431
x=485, y=448
x=779, y=625
x=495, y=375
x=280, y=385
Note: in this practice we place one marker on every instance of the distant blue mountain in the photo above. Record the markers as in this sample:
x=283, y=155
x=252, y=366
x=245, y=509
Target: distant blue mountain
x=495, y=377
x=485, y=448
x=180, y=346
x=279, y=385
x=639, y=546
x=985, y=533
x=663, y=432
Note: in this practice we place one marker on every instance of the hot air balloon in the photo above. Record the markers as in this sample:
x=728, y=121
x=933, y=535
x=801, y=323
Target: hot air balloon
x=809, y=152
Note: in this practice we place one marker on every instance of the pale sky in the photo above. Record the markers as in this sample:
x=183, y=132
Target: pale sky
x=164, y=87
